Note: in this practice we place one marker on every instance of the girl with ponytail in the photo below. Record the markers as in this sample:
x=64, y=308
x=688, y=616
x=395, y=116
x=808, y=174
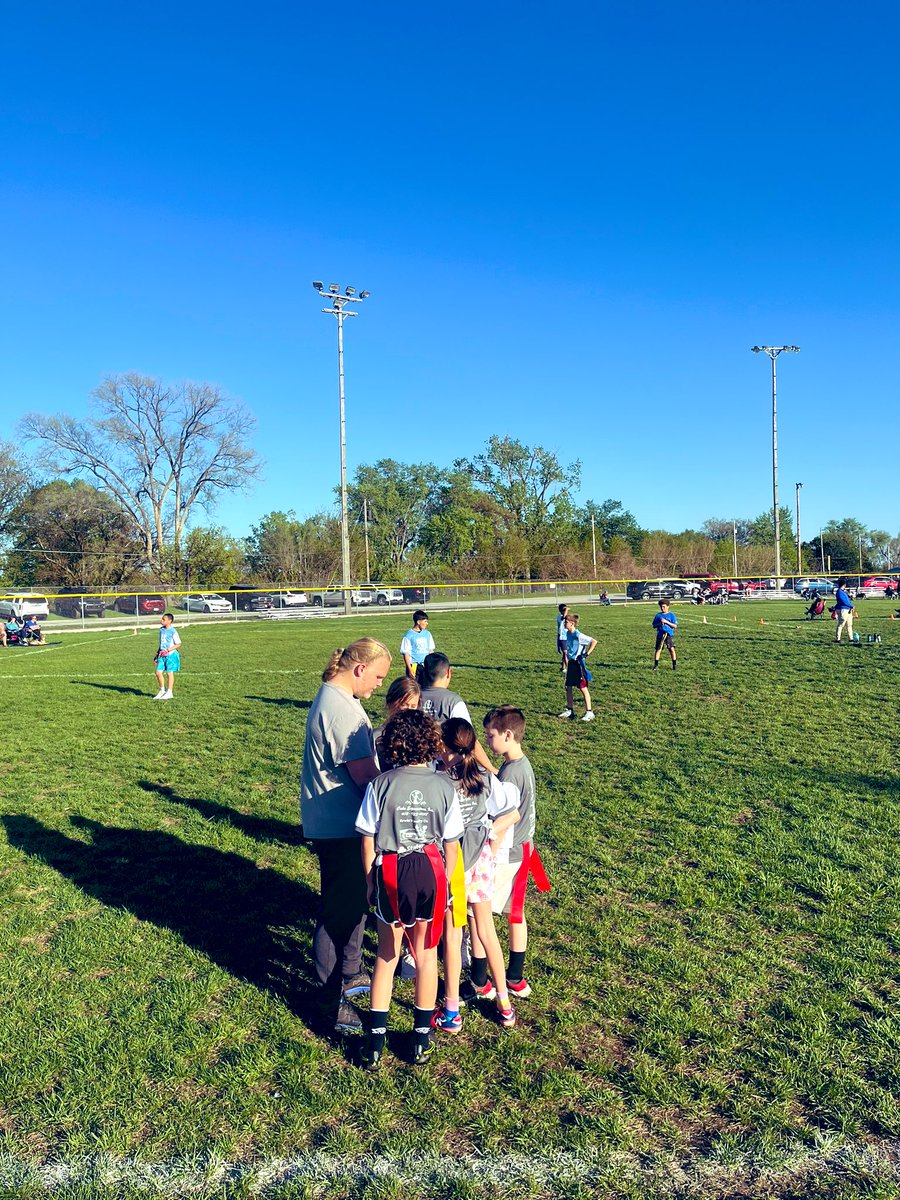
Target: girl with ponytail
x=488, y=813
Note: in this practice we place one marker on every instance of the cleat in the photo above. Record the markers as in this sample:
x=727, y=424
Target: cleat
x=520, y=988
x=423, y=1051
x=357, y=984
x=506, y=1017
x=445, y=1024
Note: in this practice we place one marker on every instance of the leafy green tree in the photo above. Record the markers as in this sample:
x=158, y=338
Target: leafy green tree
x=71, y=534
x=211, y=558
x=852, y=547
x=611, y=520
x=762, y=534
x=398, y=498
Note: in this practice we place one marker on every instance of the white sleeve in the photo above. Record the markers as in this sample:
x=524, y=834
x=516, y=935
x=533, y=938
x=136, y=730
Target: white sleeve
x=454, y=826
x=502, y=798
x=367, y=818
x=459, y=710
x=176, y=640
x=405, y=647
x=430, y=643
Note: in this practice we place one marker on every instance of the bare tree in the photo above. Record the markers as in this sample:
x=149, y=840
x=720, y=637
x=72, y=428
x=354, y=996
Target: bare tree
x=158, y=450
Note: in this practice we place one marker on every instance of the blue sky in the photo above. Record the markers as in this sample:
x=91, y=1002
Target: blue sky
x=574, y=221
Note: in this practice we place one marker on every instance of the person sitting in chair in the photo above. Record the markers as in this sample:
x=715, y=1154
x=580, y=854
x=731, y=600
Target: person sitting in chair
x=816, y=608
x=32, y=633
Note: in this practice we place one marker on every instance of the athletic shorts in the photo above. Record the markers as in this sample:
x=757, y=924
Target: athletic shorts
x=480, y=879
x=416, y=891
x=169, y=662
x=575, y=673
x=504, y=877
x=664, y=639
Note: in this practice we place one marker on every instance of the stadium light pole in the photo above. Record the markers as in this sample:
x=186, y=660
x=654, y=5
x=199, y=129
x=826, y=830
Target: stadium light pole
x=338, y=299
x=773, y=352
x=798, y=486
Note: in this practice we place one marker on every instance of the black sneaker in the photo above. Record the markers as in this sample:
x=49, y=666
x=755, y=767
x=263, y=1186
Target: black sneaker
x=370, y=1059
x=422, y=1052
x=357, y=984
x=347, y=1019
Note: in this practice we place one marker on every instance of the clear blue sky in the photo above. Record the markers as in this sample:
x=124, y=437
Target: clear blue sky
x=574, y=220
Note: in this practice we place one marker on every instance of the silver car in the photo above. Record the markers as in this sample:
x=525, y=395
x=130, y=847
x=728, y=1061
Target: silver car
x=210, y=603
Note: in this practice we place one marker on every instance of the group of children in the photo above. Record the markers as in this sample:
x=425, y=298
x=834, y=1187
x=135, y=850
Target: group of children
x=447, y=843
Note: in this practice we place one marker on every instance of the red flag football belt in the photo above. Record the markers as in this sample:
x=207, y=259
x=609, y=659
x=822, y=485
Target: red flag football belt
x=389, y=875
x=531, y=865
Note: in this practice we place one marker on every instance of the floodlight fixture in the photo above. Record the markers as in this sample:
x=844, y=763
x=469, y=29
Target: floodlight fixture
x=318, y=285
x=333, y=287
x=364, y=295
x=349, y=291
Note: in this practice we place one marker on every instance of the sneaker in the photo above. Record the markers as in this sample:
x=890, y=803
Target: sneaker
x=589, y=715
x=370, y=1059
x=656, y=666
x=488, y=992
x=446, y=1024
x=357, y=984
x=422, y=1052
x=167, y=695
x=521, y=988
x=347, y=1019
x=160, y=695
x=567, y=713
x=407, y=965
x=506, y=1017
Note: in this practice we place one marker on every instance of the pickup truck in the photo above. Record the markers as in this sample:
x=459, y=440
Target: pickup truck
x=383, y=595
x=335, y=598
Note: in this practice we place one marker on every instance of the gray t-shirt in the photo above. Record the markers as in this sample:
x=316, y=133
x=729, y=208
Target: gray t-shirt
x=337, y=732
x=518, y=775
x=478, y=813
x=408, y=809
x=442, y=704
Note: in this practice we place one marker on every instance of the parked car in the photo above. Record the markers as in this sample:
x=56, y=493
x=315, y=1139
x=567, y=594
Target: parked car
x=24, y=605
x=875, y=586
x=803, y=587
x=386, y=595
x=656, y=589
x=759, y=585
x=141, y=605
x=415, y=595
x=288, y=599
x=335, y=598
x=210, y=603
x=77, y=602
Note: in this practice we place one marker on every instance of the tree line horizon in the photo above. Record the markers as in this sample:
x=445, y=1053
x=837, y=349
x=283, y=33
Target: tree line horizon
x=111, y=501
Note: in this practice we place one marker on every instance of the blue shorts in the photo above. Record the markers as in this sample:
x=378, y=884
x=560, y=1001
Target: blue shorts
x=169, y=662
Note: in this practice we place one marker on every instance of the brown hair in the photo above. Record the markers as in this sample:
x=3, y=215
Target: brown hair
x=459, y=737
x=409, y=738
x=366, y=650
x=403, y=688
x=506, y=717
x=573, y=617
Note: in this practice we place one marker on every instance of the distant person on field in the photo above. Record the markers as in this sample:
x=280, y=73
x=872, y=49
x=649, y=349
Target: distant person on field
x=843, y=607
x=2, y=633
x=14, y=631
x=563, y=612
x=439, y=702
x=167, y=659
x=665, y=623
x=416, y=643
x=578, y=647
x=31, y=632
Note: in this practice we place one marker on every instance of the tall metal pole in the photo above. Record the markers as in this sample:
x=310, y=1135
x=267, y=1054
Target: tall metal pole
x=773, y=352
x=366, y=528
x=822, y=550
x=345, y=523
x=798, y=486
x=594, y=544
x=734, y=546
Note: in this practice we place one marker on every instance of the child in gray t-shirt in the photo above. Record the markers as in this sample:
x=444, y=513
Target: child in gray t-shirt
x=411, y=823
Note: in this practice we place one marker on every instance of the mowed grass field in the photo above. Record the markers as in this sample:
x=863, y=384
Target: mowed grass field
x=715, y=973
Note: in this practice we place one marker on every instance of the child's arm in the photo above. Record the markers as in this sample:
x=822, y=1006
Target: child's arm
x=451, y=852
x=591, y=647
x=500, y=825
x=368, y=861
x=670, y=624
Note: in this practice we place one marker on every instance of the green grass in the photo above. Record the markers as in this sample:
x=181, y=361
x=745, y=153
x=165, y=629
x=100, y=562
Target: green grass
x=715, y=971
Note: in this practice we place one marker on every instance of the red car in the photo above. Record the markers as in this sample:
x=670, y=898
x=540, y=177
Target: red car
x=876, y=585
x=140, y=605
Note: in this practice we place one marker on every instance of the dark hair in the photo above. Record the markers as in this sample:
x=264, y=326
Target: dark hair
x=401, y=689
x=562, y=608
x=409, y=738
x=419, y=615
x=664, y=600
x=171, y=616
x=506, y=717
x=459, y=737
x=435, y=667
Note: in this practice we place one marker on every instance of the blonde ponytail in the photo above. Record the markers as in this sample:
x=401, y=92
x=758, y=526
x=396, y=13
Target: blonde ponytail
x=365, y=650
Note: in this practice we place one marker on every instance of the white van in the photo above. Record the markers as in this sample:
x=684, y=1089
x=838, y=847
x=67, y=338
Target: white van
x=25, y=605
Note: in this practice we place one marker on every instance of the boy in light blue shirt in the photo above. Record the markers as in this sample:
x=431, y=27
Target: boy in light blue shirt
x=417, y=644
x=167, y=659
x=577, y=647
x=665, y=624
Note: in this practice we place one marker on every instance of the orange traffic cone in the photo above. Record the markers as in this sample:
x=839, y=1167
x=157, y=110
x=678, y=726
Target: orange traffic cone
x=705, y=622
x=892, y=616
x=734, y=619
x=761, y=621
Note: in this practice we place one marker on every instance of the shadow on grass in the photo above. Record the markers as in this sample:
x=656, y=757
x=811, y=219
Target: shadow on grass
x=112, y=687
x=244, y=918
x=262, y=829
x=281, y=701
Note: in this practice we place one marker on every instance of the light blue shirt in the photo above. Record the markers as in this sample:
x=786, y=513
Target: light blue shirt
x=576, y=642
x=168, y=638
x=417, y=643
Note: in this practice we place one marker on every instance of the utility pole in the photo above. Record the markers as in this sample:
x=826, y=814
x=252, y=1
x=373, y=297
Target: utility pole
x=338, y=299
x=798, y=486
x=366, y=529
x=773, y=352
x=594, y=544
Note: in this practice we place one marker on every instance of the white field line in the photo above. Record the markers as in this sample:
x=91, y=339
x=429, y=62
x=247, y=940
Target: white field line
x=149, y=672
x=833, y=1158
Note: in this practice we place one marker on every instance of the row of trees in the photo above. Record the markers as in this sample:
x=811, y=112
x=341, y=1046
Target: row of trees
x=113, y=502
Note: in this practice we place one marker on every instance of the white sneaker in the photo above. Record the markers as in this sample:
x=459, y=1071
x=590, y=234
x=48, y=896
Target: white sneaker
x=160, y=695
x=567, y=712
x=588, y=716
x=167, y=695
x=407, y=965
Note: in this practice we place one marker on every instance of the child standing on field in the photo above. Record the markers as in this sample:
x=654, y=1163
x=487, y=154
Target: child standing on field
x=411, y=823
x=416, y=644
x=168, y=660
x=504, y=728
x=488, y=811
x=563, y=612
x=665, y=624
x=578, y=647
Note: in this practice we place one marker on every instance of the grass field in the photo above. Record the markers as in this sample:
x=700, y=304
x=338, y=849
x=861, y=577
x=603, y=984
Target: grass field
x=716, y=969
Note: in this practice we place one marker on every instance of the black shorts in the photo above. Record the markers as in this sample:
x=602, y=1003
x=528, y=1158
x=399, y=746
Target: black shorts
x=575, y=673
x=416, y=891
x=664, y=639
